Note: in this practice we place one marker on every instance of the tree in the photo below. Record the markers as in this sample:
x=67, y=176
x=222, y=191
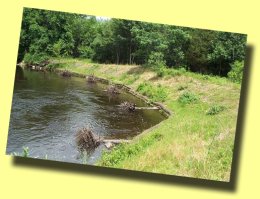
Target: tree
x=47, y=33
x=199, y=47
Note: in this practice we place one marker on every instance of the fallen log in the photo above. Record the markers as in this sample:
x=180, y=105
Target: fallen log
x=147, y=108
x=88, y=140
x=110, y=143
x=116, y=141
x=127, y=106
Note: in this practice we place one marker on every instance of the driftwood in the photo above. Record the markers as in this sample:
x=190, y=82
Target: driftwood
x=128, y=106
x=116, y=141
x=112, y=90
x=110, y=143
x=65, y=73
x=88, y=141
x=91, y=79
x=147, y=108
x=37, y=68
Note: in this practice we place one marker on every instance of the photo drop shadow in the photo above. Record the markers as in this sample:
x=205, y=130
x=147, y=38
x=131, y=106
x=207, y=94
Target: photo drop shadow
x=161, y=178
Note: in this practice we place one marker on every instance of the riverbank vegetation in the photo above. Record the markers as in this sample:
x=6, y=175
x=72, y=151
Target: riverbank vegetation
x=197, y=140
x=195, y=73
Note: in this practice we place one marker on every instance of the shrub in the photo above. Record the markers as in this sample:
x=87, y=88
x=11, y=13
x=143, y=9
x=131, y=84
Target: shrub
x=182, y=70
x=161, y=71
x=205, y=77
x=215, y=109
x=188, y=98
x=40, y=59
x=236, y=72
x=57, y=48
x=86, y=52
x=156, y=59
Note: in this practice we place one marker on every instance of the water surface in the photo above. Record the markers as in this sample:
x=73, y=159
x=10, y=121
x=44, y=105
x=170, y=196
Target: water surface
x=48, y=110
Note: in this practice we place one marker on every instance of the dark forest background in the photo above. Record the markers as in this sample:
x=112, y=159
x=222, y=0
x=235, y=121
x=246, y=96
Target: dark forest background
x=56, y=34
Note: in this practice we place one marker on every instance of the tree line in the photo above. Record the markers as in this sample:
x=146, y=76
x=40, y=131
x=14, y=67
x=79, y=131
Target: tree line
x=48, y=33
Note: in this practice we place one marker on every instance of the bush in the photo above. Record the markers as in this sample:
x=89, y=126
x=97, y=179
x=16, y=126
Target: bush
x=155, y=93
x=160, y=71
x=40, y=59
x=86, y=52
x=215, y=109
x=156, y=59
x=236, y=72
x=57, y=48
x=188, y=98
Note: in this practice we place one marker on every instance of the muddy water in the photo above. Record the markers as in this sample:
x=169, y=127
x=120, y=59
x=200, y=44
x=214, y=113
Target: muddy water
x=48, y=110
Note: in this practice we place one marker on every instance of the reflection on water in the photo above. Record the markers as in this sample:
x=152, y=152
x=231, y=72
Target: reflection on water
x=48, y=110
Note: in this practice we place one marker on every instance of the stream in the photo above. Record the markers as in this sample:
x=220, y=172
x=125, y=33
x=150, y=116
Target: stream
x=48, y=110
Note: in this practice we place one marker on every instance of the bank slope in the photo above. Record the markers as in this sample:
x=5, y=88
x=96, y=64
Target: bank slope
x=197, y=140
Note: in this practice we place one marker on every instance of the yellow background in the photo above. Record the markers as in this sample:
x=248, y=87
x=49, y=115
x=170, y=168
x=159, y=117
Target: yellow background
x=51, y=180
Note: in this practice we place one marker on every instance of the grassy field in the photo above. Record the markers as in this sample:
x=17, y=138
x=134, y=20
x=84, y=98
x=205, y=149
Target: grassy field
x=197, y=140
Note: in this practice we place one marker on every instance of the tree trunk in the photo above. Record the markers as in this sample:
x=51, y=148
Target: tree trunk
x=130, y=52
x=220, y=68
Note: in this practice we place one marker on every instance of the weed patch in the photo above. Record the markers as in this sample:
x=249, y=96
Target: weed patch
x=215, y=109
x=188, y=98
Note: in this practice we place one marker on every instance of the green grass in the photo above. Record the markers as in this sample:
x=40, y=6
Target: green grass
x=123, y=151
x=163, y=71
x=182, y=87
x=155, y=93
x=197, y=140
x=128, y=79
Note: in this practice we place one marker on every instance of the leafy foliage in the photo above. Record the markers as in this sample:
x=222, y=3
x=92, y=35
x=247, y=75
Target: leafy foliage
x=35, y=59
x=156, y=59
x=215, y=109
x=129, y=42
x=236, y=73
x=188, y=98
